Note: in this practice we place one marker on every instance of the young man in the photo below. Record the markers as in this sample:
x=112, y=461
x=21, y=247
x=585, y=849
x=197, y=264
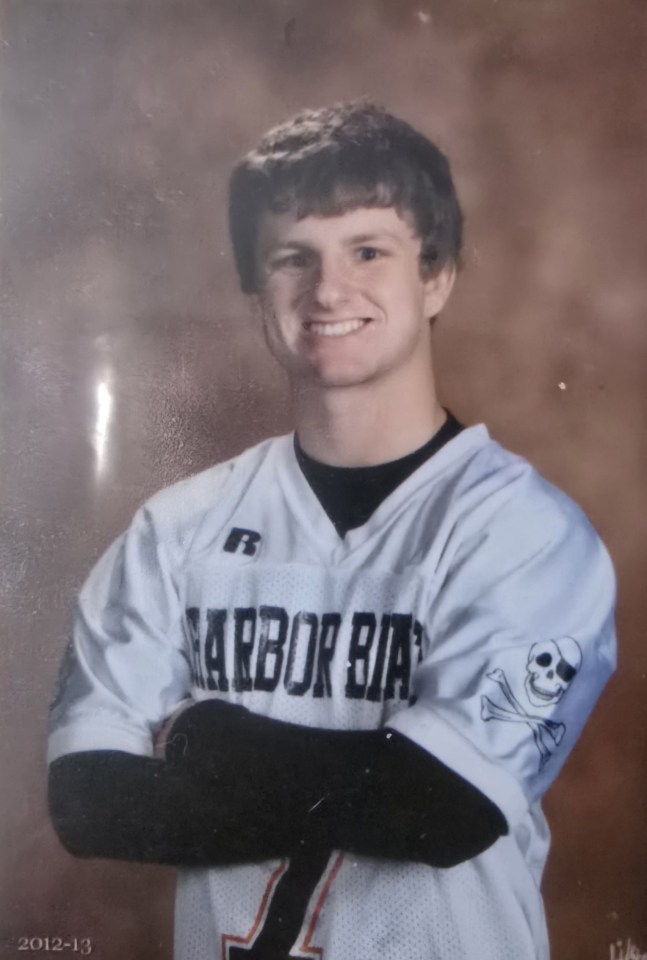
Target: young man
x=377, y=640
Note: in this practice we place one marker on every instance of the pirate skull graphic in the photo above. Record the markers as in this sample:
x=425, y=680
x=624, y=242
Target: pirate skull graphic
x=551, y=668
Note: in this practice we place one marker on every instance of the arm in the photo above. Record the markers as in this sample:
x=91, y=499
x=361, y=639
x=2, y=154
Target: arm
x=120, y=806
x=523, y=644
x=370, y=792
x=127, y=670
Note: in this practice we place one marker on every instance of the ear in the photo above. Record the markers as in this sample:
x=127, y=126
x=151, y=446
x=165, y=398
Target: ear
x=438, y=288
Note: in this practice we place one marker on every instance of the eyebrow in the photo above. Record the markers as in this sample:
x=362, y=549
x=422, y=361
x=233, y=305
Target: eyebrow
x=375, y=237
x=284, y=245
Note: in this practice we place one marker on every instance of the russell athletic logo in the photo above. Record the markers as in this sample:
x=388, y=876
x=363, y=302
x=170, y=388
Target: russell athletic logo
x=242, y=541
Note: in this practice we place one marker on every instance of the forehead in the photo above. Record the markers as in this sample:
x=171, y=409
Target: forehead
x=284, y=229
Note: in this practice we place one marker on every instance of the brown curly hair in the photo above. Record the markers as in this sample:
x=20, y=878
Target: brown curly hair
x=334, y=159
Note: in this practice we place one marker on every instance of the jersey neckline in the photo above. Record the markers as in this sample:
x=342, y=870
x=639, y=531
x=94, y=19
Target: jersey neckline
x=350, y=495
x=312, y=517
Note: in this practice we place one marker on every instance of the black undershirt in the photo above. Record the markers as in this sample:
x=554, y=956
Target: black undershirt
x=237, y=787
x=349, y=495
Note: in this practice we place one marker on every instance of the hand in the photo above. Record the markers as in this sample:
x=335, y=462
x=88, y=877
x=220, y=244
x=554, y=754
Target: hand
x=210, y=735
x=163, y=734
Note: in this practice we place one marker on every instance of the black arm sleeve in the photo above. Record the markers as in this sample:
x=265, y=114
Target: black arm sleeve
x=106, y=803
x=237, y=787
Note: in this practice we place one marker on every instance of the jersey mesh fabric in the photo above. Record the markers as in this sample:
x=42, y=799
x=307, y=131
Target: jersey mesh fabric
x=195, y=939
x=465, y=914
x=429, y=618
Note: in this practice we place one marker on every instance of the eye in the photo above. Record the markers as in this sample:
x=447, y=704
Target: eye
x=290, y=261
x=366, y=254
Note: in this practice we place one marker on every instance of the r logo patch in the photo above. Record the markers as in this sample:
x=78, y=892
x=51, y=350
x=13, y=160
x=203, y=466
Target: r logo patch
x=238, y=537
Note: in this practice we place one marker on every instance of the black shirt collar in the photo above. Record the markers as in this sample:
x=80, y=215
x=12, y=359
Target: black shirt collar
x=349, y=495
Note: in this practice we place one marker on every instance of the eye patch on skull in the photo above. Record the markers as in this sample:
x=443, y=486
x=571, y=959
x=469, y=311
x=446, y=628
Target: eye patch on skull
x=565, y=671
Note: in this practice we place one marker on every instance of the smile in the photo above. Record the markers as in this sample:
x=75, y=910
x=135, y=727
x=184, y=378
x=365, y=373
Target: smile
x=339, y=328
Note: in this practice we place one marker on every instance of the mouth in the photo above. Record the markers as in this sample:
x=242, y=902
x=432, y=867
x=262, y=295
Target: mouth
x=335, y=328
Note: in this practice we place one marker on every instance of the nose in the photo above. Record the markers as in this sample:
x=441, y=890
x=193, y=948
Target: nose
x=330, y=288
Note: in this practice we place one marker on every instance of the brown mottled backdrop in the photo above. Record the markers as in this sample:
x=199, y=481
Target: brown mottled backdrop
x=129, y=360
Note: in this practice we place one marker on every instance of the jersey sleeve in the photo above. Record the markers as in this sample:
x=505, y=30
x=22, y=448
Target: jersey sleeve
x=125, y=669
x=521, y=642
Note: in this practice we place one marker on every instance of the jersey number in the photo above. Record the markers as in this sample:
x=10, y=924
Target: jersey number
x=283, y=909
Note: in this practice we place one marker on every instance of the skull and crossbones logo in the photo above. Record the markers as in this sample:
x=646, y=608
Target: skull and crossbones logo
x=552, y=666
x=550, y=669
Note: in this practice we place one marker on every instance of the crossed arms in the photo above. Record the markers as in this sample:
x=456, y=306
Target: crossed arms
x=236, y=787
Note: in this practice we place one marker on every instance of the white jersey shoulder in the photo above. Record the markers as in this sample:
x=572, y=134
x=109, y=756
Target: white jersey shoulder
x=127, y=667
x=178, y=510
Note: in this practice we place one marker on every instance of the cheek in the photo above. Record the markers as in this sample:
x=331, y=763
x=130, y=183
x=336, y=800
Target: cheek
x=280, y=326
x=405, y=282
x=404, y=295
x=275, y=339
x=282, y=296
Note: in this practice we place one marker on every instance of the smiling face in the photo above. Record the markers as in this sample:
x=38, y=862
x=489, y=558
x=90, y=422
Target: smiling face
x=343, y=298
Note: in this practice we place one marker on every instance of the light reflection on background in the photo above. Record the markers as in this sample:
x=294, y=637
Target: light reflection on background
x=101, y=437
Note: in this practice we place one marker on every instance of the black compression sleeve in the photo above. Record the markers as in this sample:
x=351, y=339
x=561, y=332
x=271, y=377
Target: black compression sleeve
x=119, y=806
x=374, y=792
x=413, y=807
x=241, y=788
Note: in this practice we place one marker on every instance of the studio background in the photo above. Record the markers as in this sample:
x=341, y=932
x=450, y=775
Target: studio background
x=129, y=359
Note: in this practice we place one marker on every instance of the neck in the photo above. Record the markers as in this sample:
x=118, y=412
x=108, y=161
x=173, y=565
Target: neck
x=352, y=427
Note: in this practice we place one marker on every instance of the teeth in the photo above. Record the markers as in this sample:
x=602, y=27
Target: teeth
x=335, y=329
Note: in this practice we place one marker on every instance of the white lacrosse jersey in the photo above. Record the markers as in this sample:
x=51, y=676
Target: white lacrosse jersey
x=473, y=613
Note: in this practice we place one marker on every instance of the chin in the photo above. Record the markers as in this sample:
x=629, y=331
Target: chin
x=339, y=378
